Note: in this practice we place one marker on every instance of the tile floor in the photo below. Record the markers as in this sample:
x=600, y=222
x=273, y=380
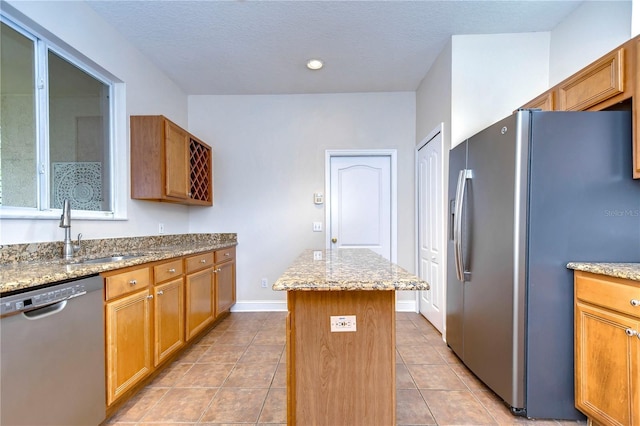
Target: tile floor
x=236, y=375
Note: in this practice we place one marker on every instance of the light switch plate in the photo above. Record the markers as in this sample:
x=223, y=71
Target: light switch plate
x=317, y=255
x=343, y=323
x=317, y=226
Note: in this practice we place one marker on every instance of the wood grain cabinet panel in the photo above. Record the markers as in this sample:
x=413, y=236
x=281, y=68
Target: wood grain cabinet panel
x=225, y=290
x=607, y=349
x=200, y=310
x=596, y=83
x=636, y=114
x=128, y=338
x=545, y=102
x=169, y=164
x=168, y=319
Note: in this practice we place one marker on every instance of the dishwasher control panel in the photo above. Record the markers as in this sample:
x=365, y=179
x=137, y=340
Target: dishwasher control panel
x=34, y=299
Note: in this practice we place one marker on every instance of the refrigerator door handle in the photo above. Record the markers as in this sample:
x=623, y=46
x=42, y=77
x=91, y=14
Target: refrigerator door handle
x=461, y=189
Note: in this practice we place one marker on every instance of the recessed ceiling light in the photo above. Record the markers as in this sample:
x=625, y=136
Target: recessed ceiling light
x=314, y=64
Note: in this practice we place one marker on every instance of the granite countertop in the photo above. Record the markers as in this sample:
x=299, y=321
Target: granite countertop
x=629, y=271
x=346, y=269
x=18, y=275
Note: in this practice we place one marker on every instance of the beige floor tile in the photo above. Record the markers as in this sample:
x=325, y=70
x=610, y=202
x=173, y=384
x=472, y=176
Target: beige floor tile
x=225, y=354
x=403, y=378
x=262, y=354
x=181, y=405
x=420, y=354
x=169, y=376
x=236, y=337
x=435, y=377
x=235, y=406
x=456, y=408
x=280, y=378
x=210, y=375
x=251, y=376
x=411, y=409
x=135, y=409
x=468, y=377
x=275, y=407
x=270, y=337
x=192, y=354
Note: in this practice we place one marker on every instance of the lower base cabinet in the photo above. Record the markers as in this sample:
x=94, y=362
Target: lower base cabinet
x=128, y=345
x=151, y=311
x=607, y=349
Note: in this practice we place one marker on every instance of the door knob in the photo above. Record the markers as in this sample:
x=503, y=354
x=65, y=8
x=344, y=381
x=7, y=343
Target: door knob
x=334, y=240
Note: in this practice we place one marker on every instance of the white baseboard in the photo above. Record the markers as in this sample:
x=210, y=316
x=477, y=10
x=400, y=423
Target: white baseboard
x=281, y=306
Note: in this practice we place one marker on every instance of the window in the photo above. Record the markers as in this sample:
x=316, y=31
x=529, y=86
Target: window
x=56, y=132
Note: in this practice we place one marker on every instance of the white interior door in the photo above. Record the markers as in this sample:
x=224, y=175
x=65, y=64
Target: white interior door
x=360, y=210
x=430, y=229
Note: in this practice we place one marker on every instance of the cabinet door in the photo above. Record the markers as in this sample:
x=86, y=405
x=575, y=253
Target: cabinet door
x=225, y=286
x=607, y=372
x=176, y=161
x=128, y=326
x=168, y=319
x=200, y=308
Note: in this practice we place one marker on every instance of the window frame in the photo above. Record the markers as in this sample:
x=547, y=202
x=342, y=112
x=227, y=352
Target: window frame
x=43, y=44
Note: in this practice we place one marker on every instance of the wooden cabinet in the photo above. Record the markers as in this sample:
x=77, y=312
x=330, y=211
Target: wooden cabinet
x=200, y=309
x=603, y=84
x=128, y=331
x=168, y=317
x=607, y=349
x=225, y=280
x=169, y=164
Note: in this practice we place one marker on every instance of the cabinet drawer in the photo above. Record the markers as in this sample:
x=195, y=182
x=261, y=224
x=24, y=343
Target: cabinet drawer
x=596, y=83
x=225, y=254
x=167, y=271
x=126, y=282
x=199, y=261
x=608, y=292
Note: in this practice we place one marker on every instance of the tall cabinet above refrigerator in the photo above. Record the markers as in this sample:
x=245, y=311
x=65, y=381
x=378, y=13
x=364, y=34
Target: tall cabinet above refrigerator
x=526, y=196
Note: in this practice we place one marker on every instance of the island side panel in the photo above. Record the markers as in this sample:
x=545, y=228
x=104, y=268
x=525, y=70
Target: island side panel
x=341, y=378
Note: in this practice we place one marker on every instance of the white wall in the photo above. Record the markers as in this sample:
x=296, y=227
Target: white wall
x=635, y=18
x=148, y=91
x=269, y=154
x=492, y=75
x=593, y=29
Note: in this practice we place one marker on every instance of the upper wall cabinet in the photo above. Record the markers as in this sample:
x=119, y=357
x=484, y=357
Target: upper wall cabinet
x=608, y=81
x=169, y=164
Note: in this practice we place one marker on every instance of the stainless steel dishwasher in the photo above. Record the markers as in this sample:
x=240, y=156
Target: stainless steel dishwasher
x=52, y=355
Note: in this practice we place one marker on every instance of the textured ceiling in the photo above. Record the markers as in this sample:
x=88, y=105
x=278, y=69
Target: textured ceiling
x=261, y=47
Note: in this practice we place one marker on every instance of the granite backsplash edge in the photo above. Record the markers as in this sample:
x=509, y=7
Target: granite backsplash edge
x=52, y=251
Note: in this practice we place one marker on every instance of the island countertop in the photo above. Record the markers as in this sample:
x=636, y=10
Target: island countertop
x=346, y=270
x=629, y=271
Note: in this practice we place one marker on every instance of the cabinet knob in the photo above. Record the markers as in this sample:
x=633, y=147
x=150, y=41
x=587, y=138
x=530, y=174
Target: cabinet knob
x=160, y=293
x=215, y=271
x=133, y=282
x=203, y=260
x=227, y=254
x=631, y=332
x=150, y=296
x=172, y=270
x=635, y=302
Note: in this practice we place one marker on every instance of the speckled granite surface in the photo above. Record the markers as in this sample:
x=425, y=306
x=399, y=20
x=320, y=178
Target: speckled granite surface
x=346, y=269
x=630, y=271
x=28, y=265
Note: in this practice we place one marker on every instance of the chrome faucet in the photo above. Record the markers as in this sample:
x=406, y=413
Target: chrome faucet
x=68, y=249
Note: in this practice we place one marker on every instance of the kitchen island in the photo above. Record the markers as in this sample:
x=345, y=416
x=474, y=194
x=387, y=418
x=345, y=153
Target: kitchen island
x=341, y=337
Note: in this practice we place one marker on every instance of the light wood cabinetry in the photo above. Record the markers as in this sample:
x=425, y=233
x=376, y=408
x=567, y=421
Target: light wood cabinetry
x=169, y=164
x=607, y=349
x=128, y=331
x=200, y=309
x=603, y=84
x=225, y=279
x=352, y=373
x=153, y=310
x=168, y=317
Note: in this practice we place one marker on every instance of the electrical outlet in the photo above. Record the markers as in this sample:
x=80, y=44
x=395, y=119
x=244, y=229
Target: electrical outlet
x=317, y=255
x=343, y=323
x=317, y=226
x=264, y=283
x=161, y=228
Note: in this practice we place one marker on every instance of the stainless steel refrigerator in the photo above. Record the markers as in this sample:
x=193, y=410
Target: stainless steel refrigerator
x=526, y=196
